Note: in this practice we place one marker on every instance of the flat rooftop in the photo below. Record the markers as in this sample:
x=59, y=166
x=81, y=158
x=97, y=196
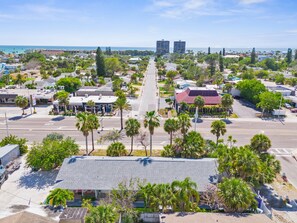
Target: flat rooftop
x=105, y=173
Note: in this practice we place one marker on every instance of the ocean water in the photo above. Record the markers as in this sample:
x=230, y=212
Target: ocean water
x=22, y=49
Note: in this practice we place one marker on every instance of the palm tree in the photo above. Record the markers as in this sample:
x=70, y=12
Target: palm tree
x=151, y=121
x=163, y=196
x=91, y=104
x=186, y=194
x=184, y=123
x=260, y=143
x=63, y=98
x=218, y=128
x=199, y=103
x=122, y=104
x=116, y=149
x=147, y=191
x=132, y=129
x=83, y=125
x=59, y=197
x=236, y=195
x=93, y=125
x=102, y=214
x=227, y=101
x=171, y=126
x=21, y=102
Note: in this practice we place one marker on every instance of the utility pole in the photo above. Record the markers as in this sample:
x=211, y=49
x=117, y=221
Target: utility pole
x=196, y=118
x=280, y=104
x=6, y=125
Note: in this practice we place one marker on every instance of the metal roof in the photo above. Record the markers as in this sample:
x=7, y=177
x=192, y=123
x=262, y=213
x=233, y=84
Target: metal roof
x=105, y=173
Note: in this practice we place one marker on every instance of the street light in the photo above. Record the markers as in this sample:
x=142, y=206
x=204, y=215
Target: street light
x=196, y=118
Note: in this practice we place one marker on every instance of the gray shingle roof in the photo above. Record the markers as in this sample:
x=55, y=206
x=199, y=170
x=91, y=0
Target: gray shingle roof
x=105, y=173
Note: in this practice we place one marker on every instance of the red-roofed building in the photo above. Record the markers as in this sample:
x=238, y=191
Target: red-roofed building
x=210, y=96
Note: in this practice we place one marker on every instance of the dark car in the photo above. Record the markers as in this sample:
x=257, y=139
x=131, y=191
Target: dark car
x=294, y=110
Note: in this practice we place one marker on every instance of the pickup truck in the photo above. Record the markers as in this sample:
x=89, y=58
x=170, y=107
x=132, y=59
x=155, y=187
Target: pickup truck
x=3, y=175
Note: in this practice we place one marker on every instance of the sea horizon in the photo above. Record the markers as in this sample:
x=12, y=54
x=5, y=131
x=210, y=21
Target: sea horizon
x=18, y=49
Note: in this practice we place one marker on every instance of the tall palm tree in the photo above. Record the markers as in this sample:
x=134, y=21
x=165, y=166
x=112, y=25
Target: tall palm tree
x=151, y=121
x=218, y=128
x=199, y=103
x=186, y=194
x=91, y=104
x=132, y=129
x=227, y=101
x=93, y=125
x=21, y=102
x=83, y=125
x=63, y=98
x=163, y=196
x=59, y=197
x=171, y=126
x=102, y=214
x=147, y=191
x=122, y=104
x=184, y=123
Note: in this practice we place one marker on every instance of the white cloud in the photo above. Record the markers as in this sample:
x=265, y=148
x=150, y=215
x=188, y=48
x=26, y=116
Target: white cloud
x=249, y=2
x=189, y=8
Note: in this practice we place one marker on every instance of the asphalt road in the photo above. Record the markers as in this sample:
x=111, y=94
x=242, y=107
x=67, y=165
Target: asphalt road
x=282, y=135
x=148, y=99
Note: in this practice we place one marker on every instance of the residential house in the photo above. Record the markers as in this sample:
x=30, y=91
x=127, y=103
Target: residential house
x=97, y=176
x=210, y=96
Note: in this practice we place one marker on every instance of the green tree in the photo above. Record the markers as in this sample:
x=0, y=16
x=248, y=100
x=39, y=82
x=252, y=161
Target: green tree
x=211, y=59
x=147, y=192
x=100, y=63
x=21, y=102
x=253, y=56
x=132, y=129
x=112, y=64
x=50, y=154
x=116, y=149
x=236, y=195
x=227, y=101
x=83, y=125
x=218, y=128
x=269, y=101
x=151, y=121
x=102, y=214
x=171, y=126
x=184, y=123
x=295, y=56
x=186, y=194
x=59, y=197
x=260, y=143
x=71, y=84
x=227, y=87
x=192, y=146
x=289, y=56
x=122, y=104
x=251, y=89
x=63, y=98
x=199, y=103
x=12, y=139
x=163, y=197
x=91, y=104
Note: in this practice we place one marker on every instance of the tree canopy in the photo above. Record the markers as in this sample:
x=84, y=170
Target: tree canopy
x=71, y=84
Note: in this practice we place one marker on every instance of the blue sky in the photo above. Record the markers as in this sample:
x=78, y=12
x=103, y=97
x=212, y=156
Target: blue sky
x=202, y=23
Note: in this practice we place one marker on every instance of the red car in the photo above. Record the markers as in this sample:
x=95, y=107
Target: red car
x=294, y=110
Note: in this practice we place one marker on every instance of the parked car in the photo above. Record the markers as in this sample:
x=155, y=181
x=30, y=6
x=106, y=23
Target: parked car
x=294, y=110
x=288, y=106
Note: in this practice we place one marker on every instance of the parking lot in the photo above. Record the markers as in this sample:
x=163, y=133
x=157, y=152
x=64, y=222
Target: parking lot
x=244, y=109
x=25, y=190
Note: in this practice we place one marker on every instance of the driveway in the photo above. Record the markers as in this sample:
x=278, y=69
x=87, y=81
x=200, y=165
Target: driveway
x=244, y=109
x=25, y=190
